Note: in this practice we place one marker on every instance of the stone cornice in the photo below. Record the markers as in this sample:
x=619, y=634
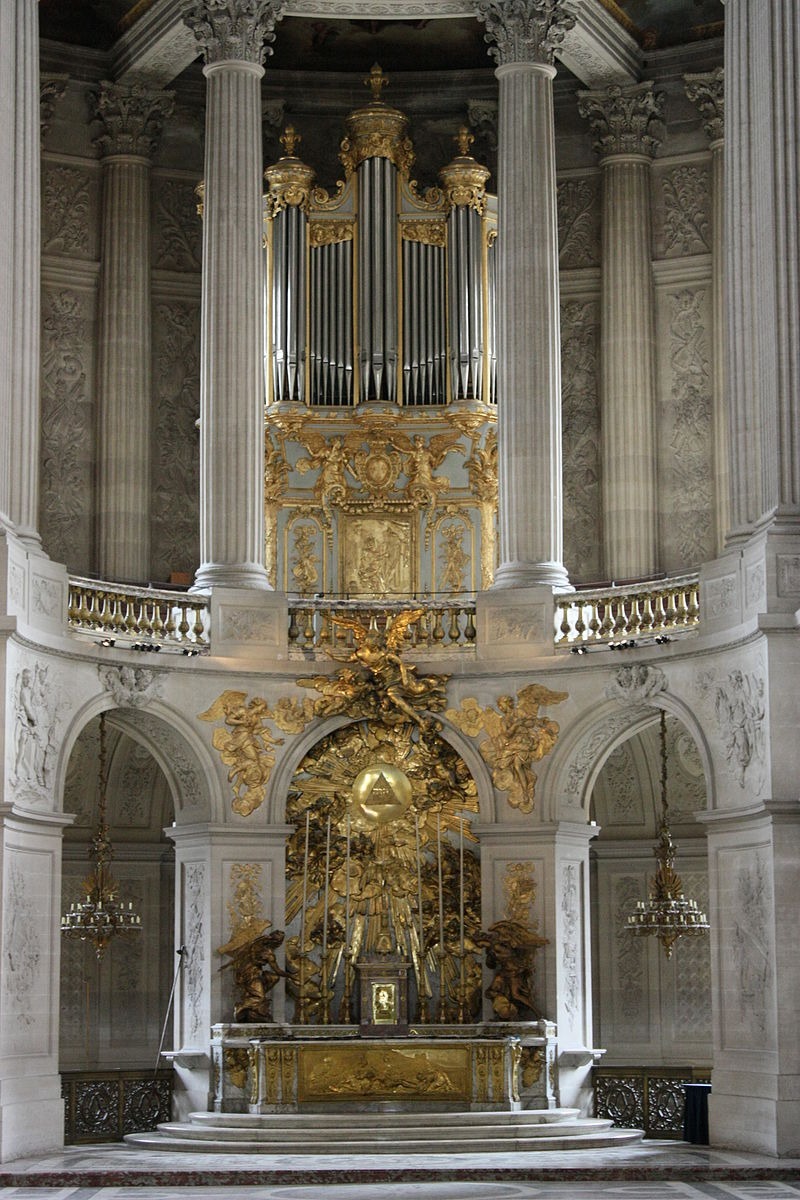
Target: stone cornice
x=525, y=30
x=132, y=117
x=707, y=91
x=624, y=120
x=233, y=30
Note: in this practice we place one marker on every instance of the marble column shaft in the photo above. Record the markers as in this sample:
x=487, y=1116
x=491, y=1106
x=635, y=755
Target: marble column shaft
x=626, y=124
x=233, y=36
x=7, y=105
x=525, y=35
x=132, y=119
x=707, y=92
x=21, y=20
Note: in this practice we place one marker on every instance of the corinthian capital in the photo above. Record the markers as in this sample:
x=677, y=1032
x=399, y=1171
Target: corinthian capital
x=51, y=89
x=132, y=117
x=233, y=30
x=525, y=30
x=624, y=120
x=707, y=91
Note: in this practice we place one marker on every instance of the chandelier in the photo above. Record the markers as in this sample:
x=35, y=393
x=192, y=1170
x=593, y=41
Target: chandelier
x=99, y=914
x=666, y=914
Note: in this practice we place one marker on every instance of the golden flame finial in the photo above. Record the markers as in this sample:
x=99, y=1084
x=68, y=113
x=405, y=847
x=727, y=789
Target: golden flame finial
x=463, y=140
x=376, y=81
x=290, y=139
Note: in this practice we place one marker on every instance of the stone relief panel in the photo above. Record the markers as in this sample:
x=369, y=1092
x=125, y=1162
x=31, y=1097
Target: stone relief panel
x=70, y=202
x=739, y=705
x=630, y=983
x=67, y=428
x=131, y=687
x=175, y=523
x=581, y=439
x=618, y=796
x=177, y=231
x=40, y=702
x=194, y=938
x=681, y=220
x=685, y=431
x=748, y=959
x=570, y=986
x=693, y=981
x=25, y=952
x=579, y=222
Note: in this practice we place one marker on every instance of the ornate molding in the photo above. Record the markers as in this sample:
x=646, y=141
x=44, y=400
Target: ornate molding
x=130, y=687
x=132, y=118
x=624, y=120
x=233, y=30
x=636, y=683
x=525, y=30
x=707, y=91
x=51, y=89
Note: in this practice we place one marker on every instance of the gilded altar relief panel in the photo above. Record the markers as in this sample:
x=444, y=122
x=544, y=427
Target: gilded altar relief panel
x=337, y=1072
x=378, y=555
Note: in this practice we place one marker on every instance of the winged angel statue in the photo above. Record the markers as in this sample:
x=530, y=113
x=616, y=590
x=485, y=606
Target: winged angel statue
x=517, y=737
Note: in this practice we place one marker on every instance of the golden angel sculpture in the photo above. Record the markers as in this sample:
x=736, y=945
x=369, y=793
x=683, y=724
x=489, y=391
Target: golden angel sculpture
x=394, y=692
x=255, y=970
x=517, y=737
x=422, y=458
x=509, y=947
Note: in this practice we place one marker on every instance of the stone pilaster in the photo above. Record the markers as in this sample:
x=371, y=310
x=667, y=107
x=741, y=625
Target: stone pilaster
x=523, y=36
x=131, y=117
x=707, y=91
x=233, y=35
x=626, y=124
x=19, y=34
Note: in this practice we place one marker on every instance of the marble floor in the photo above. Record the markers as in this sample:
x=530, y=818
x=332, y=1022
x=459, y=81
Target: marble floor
x=650, y=1171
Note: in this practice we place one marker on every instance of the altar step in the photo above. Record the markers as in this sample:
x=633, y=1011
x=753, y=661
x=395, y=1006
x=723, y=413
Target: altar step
x=384, y=1133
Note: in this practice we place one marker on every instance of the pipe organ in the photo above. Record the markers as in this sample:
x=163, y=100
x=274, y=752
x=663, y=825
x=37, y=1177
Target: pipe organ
x=377, y=292
x=380, y=443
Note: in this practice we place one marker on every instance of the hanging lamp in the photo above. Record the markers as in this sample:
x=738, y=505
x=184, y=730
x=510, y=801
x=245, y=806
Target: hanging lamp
x=99, y=914
x=666, y=914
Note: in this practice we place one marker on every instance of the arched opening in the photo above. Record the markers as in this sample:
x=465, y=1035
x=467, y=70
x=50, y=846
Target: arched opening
x=652, y=1014
x=113, y=1007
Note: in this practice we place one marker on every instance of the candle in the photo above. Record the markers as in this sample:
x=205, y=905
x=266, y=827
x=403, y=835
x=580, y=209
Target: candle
x=325, y=895
x=305, y=893
x=419, y=896
x=347, y=891
x=441, y=890
x=461, y=879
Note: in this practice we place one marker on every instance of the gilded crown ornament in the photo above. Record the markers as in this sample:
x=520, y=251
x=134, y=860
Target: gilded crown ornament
x=377, y=131
x=464, y=180
x=290, y=180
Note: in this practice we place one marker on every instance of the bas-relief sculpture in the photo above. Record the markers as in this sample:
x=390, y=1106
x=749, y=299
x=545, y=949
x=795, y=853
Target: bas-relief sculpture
x=739, y=706
x=131, y=687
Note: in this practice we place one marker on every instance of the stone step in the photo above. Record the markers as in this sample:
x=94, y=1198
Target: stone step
x=365, y=1133
x=417, y=1133
x=384, y=1119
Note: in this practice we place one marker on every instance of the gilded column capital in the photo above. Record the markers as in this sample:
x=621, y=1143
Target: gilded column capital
x=525, y=30
x=233, y=30
x=624, y=120
x=132, y=117
x=707, y=91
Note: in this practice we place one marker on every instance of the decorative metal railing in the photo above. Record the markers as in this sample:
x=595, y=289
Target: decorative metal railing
x=102, y=1106
x=312, y=623
x=648, y=1098
x=134, y=615
x=627, y=613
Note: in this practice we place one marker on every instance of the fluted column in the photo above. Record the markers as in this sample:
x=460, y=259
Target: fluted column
x=762, y=249
x=20, y=265
x=707, y=92
x=132, y=118
x=233, y=36
x=626, y=123
x=523, y=36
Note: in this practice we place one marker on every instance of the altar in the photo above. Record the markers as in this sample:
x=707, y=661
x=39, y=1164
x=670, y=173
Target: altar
x=481, y=1067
